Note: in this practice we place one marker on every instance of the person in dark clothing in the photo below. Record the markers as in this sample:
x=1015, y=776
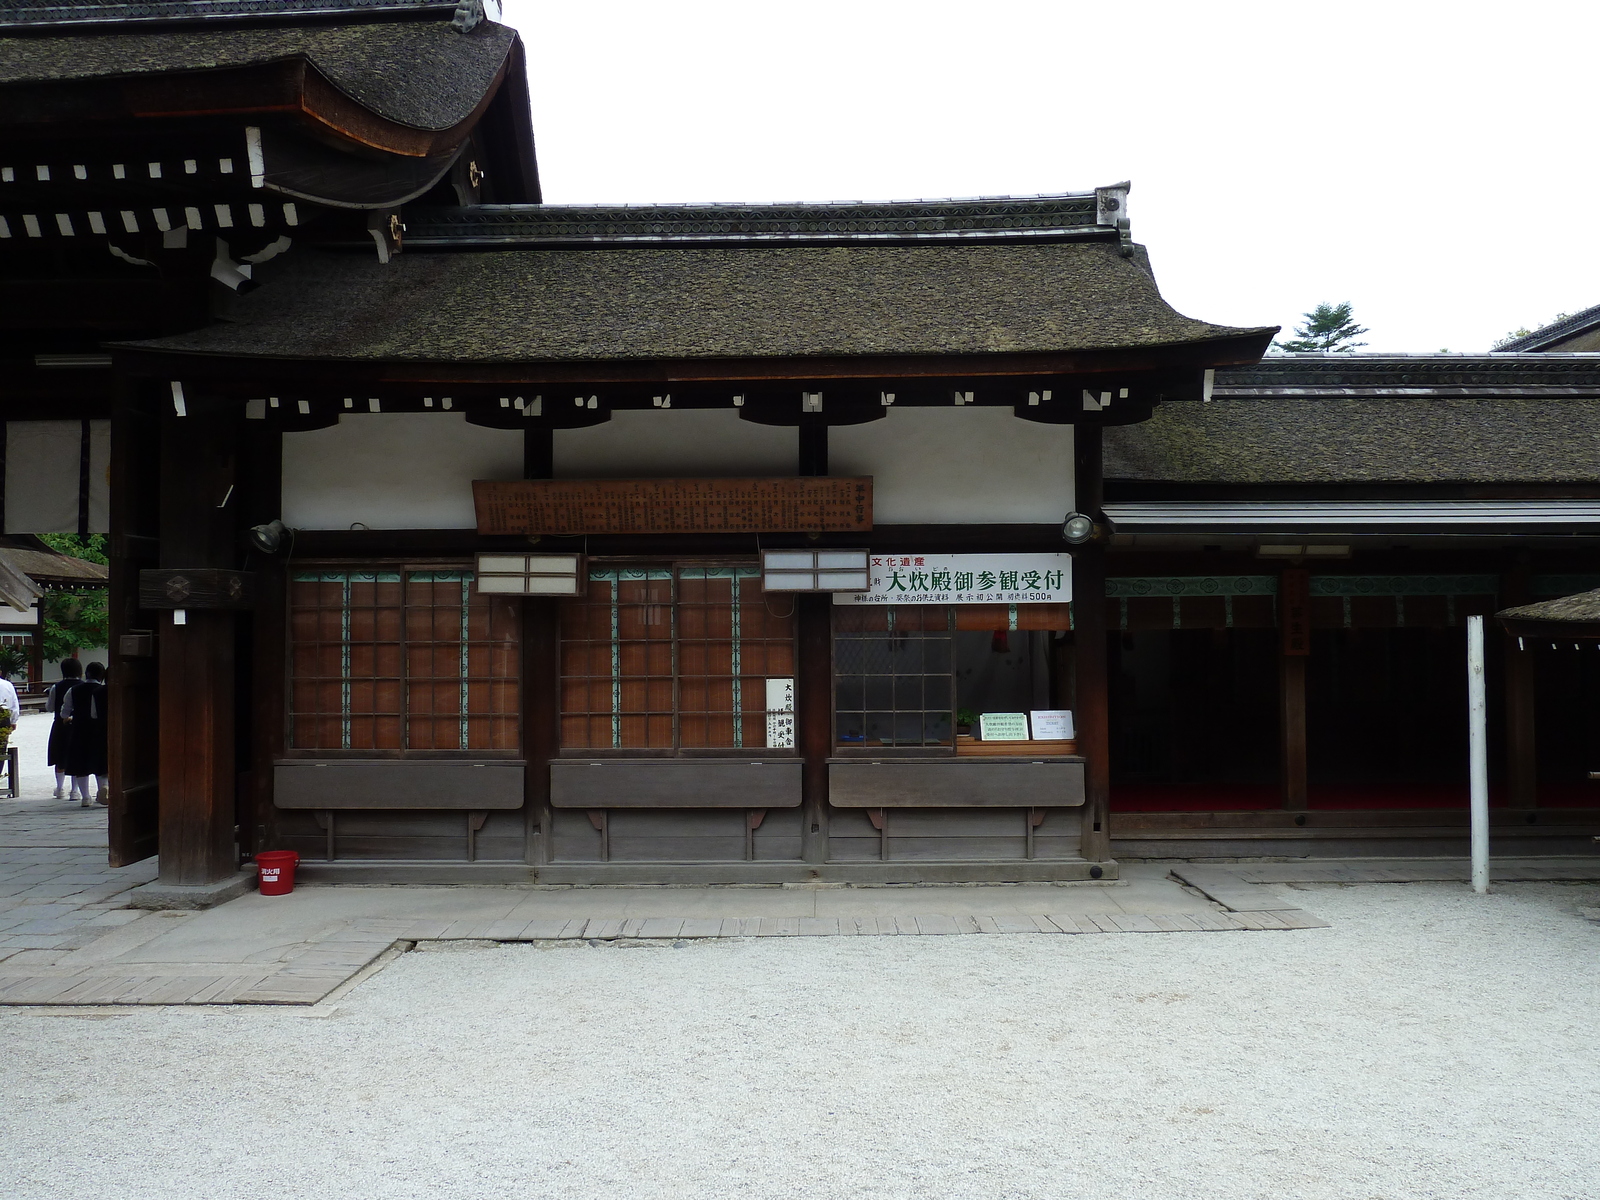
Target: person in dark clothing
x=85, y=711
x=54, y=698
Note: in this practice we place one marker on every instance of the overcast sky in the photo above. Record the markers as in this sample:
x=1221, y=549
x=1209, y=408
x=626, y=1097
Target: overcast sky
x=1432, y=163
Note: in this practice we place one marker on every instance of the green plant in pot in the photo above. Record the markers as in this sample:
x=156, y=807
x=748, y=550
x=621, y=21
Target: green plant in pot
x=14, y=661
x=966, y=718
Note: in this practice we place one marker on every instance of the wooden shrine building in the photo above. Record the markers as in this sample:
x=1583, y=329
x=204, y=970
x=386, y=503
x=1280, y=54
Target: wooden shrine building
x=461, y=536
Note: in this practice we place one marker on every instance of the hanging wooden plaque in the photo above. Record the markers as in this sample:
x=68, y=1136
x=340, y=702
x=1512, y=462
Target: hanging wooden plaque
x=791, y=505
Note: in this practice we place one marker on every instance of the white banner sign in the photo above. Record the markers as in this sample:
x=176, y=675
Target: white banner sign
x=780, y=714
x=965, y=579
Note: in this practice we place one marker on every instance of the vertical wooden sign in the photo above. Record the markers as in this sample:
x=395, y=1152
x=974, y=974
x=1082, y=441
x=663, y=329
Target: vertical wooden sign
x=1294, y=611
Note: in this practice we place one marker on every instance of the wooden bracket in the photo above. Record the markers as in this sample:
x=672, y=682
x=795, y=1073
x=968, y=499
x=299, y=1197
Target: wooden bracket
x=875, y=815
x=475, y=819
x=325, y=822
x=597, y=818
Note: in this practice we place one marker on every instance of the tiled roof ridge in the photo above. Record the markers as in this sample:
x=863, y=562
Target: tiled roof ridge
x=1556, y=331
x=1098, y=214
x=66, y=16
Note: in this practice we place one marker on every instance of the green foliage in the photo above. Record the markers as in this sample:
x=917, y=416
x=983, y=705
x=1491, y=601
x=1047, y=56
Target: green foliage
x=91, y=549
x=1328, y=328
x=966, y=716
x=75, y=618
x=13, y=661
x=1522, y=333
x=73, y=621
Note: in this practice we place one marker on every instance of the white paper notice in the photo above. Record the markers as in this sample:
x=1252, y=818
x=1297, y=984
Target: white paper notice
x=780, y=714
x=1003, y=727
x=1052, y=725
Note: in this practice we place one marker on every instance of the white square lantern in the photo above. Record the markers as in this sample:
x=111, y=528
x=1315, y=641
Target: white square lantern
x=814, y=570
x=531, y=574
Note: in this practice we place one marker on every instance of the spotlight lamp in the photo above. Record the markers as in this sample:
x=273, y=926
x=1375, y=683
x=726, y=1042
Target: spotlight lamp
x=1078, y=529
x=269, y=538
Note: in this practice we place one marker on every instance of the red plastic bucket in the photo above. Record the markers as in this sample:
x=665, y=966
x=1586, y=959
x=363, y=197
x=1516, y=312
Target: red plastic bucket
x=276, y=868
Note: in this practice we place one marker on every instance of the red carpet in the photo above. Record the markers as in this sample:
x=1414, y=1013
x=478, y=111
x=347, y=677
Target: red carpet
x=1247, y=797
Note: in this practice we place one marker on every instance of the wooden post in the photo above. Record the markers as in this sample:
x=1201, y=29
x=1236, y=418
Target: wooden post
x=1093, y=715
x=197, y=750
x=36, y=655
x=541, y=721
x=197, y=695
x=1294, y=623
x=133, y=700
x=813, y=689
x=263, y=676
x=1522, y=763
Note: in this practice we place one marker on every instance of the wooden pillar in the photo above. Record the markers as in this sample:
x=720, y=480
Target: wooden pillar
x=813, y=689
x=541, y=720
x=36, y=655
x=1294, y=627
x=263, y=676
x=133, y=700
x=197, y=694
x=1093, y=716
x=1522, y=763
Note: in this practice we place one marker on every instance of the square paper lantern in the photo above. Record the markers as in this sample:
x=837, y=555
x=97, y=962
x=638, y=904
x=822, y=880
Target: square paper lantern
x=814, y=570
x=531, y=574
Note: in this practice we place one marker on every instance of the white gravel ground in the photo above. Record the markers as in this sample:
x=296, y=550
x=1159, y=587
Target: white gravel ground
x=1431, y=1044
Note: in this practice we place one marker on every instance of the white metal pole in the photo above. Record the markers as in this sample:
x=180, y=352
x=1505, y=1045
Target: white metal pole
x=1478, y=742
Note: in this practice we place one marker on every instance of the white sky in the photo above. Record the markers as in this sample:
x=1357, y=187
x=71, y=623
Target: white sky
x=1433, y=163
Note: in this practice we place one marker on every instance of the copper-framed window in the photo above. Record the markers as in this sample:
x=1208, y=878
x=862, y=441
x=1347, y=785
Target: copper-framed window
x=397, y=660
x=674, y=658
x=893, y=674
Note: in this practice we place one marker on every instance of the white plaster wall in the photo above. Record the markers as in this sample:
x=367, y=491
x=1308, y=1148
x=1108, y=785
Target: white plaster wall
x=664, y=443
x=393, y=471
x=43, y=460
x=958, y=466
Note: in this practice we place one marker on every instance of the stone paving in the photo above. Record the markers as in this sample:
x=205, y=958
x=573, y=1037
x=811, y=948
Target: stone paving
x=57, y=894
x=68, y=939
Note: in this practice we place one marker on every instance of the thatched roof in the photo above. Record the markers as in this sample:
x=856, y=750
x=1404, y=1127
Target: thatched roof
x=699, y=302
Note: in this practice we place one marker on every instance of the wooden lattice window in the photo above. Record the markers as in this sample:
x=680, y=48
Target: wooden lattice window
x=893, y=681
x=400, y=660
x=679, y=658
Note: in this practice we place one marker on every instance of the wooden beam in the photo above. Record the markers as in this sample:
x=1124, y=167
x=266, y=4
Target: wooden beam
x=868, y=368
x=1093, y=715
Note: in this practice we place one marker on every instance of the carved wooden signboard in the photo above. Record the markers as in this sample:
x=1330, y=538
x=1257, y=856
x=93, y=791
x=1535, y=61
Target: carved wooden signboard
x=798, y=505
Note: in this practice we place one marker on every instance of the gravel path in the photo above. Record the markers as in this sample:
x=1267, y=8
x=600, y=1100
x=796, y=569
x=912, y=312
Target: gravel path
x=1430, y=1044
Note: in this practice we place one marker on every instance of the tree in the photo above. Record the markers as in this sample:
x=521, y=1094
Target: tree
x=1515, y=334
x=74, y=618
x=1327, y=329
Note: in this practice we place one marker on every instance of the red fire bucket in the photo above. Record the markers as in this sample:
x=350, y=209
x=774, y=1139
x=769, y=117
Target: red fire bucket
x=276, y=868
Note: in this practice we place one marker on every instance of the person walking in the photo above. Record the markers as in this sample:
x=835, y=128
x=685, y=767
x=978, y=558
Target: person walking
x=10, y=714
x=54, y=698
x=85, y=711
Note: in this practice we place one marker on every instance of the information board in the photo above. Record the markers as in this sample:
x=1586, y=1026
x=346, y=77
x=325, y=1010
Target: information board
x=965, y=579
x=783, y=505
